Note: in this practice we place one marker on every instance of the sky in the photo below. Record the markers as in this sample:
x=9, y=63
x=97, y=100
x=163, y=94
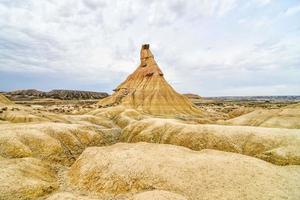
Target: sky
x=207, y=47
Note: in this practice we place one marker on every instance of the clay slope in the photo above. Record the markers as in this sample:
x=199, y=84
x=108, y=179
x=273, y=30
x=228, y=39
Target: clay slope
x=54, y=142
x=278, y=146
x=4, y=100
x=23, y=114
x=148, y=195
x=147, y=91
x=286, y=117
x=26, y=178
x=130, y=168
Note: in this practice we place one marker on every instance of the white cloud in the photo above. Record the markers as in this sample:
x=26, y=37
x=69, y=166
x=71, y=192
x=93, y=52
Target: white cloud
x=91, y=40
x=293, y=10
x=225, y=6
x=88, y=33
x=263, y=2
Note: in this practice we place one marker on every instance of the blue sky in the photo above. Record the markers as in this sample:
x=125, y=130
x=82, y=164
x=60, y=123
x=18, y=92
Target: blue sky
x=208, y=47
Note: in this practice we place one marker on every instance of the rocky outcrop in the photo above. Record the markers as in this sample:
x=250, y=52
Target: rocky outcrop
x=20, y=114
x=26, y=179
x=147, y=91
x=148, y=195
x=158, y=195
x=53, y=142
x=4, y=101
x=70, y=196
x=75, y=94
x=31, y=94
x=119, y=115
x=192, y=96
x=279, y=146
x=208, y=174
x=286, y=117
x=240, y=111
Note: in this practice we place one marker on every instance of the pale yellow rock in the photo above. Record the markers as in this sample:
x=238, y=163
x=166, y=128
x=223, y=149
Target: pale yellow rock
x=279, y=146
x=158, y=195
x=147, y=195
x=54, y=142
x=91, y=120
x=240, y=111
x=286, y=117
x=147, y=91
x=110, y=112
x=69, y=196
x=119, y=115
x=23, y=114
x=25, y=178
x=208, y=174
x=4, y=100
x=21, y=117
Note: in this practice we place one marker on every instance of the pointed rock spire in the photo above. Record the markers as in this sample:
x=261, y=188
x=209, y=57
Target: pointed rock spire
x=145, y=52
x=147, y=91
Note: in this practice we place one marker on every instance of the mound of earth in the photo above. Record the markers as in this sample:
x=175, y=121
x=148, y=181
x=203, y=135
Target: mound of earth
x=26, y=178
x=192, y=96
x=279, y=146
x=75, y=94
x=240, y=111
x=54, y=142
x=22, y=114
x=158, y=195
x=70, y=196
x=31, y=94
x=147, y=91
x=148, y=195
x=208, y=174
x=286, y=117
x=4, y=100
x=119, y=115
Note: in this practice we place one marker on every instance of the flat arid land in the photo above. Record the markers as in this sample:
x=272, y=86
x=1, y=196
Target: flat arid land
x=146, y=141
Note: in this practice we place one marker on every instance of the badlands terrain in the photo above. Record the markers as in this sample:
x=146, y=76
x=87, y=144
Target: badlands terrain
x=146, y=141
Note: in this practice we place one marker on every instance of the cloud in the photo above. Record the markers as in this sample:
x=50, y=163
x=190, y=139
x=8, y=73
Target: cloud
x=263, y=2
x=66, y=35
x=293, y=10
x=92, y=42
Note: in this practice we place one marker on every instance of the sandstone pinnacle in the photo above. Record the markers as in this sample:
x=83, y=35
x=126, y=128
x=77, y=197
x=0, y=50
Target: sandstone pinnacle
x=147, y=91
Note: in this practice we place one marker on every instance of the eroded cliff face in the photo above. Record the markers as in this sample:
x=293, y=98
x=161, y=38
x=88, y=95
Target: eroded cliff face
x=147, y=91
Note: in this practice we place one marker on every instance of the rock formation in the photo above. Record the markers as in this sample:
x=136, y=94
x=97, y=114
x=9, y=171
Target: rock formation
x=147, y=91
x=4, y=100
x=52, y=142
x=26, y=178
x=32, y=94
x=158, y=195
x=208, y=174
x=148, y=195
x=192, y=96
x=276, y=145
x=286, y=117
